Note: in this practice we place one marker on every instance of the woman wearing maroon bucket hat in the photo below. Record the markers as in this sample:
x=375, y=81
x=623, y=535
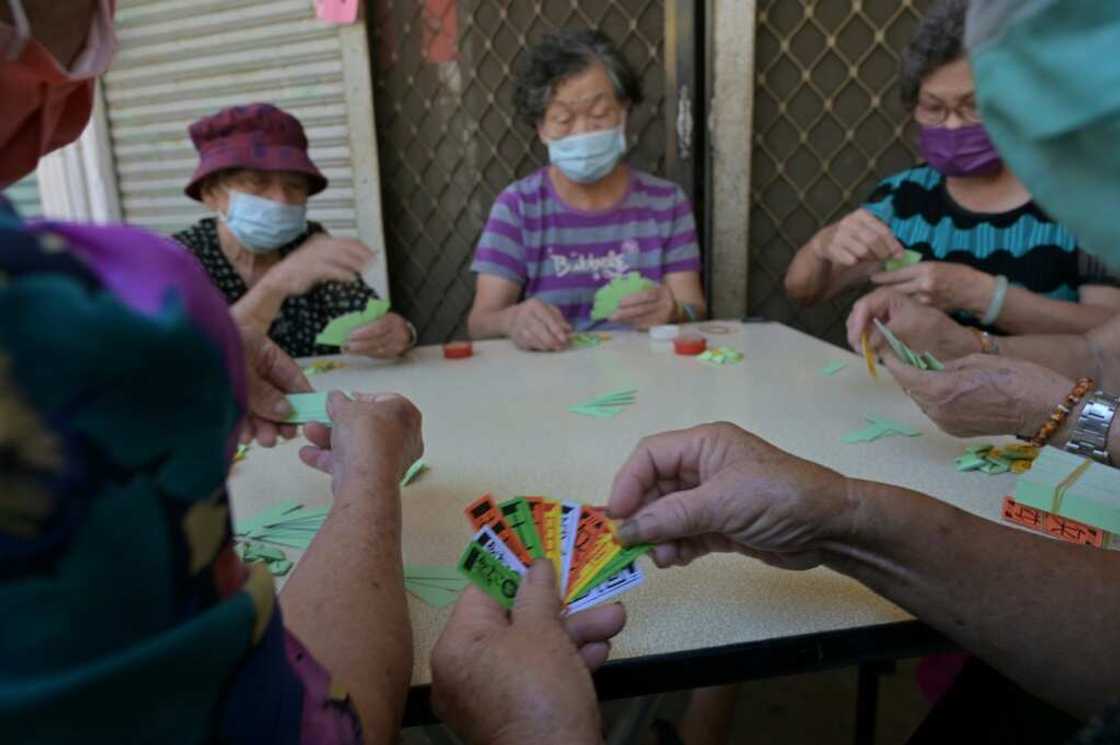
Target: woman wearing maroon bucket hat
x=280, y=273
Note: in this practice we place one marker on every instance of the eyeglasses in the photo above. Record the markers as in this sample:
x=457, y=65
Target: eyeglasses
x=936, y=114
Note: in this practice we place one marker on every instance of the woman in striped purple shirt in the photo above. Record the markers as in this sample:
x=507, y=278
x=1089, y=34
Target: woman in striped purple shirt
x=557, y=236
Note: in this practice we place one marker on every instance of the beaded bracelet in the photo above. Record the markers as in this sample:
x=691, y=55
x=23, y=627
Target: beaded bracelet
x=1084, y=385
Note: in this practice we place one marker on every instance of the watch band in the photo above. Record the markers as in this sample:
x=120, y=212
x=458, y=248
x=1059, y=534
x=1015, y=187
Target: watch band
x=1090, y=435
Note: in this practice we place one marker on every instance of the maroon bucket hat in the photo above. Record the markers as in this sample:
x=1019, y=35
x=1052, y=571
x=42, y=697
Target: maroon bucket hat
x=258, y=137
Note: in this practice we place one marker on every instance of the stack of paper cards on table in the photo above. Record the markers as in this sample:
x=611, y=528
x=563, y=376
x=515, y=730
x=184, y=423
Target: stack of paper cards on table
x=1068, y=496
x=605, y=407
x=591, y=565
x=610, y=295
x=994, y=461
x=924, y=361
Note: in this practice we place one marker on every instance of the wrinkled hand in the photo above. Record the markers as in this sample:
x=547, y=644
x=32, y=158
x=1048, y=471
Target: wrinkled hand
x=522, y=678
x=942, y=284
x=985, y=395
x=386, y=338
x=652, y=307
x=858, y=238
x=718, y=488
x=922, y=328
x=321, y=258
x=537, y=326
x=270, y=374
x=371, y=437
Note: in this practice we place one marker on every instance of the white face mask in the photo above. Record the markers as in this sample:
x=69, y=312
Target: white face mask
x=261, y=225
x=587, y=158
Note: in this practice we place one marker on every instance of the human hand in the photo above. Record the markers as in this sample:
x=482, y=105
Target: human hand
x=386, y=338
x=652, y=307
x=983, y=394
x=372, y=438
x=717, y=488
x=920, y=327
x=270, y=375
x=522, y=677
x=321, y=258
x=944, y=285
x=858, y=238
x=537, y=326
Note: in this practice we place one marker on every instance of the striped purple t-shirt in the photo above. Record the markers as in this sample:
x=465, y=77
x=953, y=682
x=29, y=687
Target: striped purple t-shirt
x=562, y=255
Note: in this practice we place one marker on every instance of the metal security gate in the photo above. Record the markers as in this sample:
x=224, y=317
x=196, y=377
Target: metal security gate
x=828, y=126
x=448, y=139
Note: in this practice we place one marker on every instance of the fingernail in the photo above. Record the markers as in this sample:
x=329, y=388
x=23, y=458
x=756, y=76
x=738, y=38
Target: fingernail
x=385, y=397
x=628, y=533
x=282, y=408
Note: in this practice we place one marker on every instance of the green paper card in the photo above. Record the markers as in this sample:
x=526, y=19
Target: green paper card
x=308, y=407
x=621, y=560
x=413, y=471
x=335, y=333
x=908, y=258
x=609, y=296
x=584, y=341
x=491, y=576
x=832, y=368
x=437, y=597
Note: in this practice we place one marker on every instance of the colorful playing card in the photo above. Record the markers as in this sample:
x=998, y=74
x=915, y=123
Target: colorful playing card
x=483, y=512
x=335, y=333
x=569, y=527
x=519, y=516
x=494, y=546
x=489, y=574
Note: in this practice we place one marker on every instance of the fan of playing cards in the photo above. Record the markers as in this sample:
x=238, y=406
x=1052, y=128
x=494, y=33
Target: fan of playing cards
x=592, y=566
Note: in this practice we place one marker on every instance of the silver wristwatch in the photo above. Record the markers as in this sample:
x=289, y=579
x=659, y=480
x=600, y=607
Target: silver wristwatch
x=1090, y=435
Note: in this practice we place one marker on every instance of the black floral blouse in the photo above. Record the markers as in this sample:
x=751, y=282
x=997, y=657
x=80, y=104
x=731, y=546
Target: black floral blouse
x=302, y=317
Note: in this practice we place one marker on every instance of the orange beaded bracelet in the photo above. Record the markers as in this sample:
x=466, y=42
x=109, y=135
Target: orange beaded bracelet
x=1084, y=385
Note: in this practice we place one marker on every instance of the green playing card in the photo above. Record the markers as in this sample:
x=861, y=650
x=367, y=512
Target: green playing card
x=335, y=333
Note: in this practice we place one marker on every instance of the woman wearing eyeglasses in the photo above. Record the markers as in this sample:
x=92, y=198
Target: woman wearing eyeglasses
x=990, y=255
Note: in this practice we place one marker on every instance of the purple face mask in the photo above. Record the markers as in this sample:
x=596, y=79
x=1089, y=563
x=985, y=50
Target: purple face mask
x=963, y=152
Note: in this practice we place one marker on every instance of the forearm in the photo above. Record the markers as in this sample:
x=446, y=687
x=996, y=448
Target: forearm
x=259, y=307
x=346, y=602
x=1026, y=312
x=812, y=279
x=1042, y=611
x=489, y=323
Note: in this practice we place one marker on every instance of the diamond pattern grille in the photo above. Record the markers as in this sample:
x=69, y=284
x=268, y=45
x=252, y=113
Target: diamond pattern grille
x=828, y=126
x=448, y=140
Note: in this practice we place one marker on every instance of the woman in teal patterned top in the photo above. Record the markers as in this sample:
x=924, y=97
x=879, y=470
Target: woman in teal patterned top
x=990, y=255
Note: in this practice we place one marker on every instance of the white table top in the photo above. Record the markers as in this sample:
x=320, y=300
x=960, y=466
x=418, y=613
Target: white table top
x=498, y=422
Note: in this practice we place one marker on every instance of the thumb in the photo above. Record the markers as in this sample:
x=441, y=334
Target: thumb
x=538, y=597
x=683, y=514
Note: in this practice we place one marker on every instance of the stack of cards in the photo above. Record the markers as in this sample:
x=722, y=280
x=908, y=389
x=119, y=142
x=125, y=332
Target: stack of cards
x=924, y=361
x=591, y=565
x=605, y=407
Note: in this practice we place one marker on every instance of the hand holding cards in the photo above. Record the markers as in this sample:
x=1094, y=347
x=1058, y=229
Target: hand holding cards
x=591, y=565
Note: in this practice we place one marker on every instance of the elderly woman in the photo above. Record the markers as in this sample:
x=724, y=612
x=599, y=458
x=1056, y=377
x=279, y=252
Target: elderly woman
x=282, y=274
x=557, y=236
x=991, y=255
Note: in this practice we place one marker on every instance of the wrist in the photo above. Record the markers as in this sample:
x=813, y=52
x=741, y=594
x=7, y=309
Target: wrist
x=507, y=318
x=981, y=290
x=276, y=285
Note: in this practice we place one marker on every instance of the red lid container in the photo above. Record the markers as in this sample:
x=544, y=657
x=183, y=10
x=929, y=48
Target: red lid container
x=457, y=350
x=690, y=344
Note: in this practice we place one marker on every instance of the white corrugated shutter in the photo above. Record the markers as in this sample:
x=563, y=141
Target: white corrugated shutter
x=180, y=60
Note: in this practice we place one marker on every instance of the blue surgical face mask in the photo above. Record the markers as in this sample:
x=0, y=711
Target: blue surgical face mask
x=261, y=225
x=1049, y=87
x=586, y=158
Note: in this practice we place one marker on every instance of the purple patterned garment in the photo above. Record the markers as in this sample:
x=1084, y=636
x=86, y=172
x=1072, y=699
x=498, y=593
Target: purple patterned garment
x=562, y=255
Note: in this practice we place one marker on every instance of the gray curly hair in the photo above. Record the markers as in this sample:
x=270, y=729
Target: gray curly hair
x=938, y=41
x=562, y=54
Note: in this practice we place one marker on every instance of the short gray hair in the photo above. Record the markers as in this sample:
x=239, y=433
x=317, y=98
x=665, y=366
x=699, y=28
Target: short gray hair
x=560, y=55
x=938, y=41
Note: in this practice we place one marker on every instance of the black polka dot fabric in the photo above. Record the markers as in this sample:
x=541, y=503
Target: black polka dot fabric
x=302, y=317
